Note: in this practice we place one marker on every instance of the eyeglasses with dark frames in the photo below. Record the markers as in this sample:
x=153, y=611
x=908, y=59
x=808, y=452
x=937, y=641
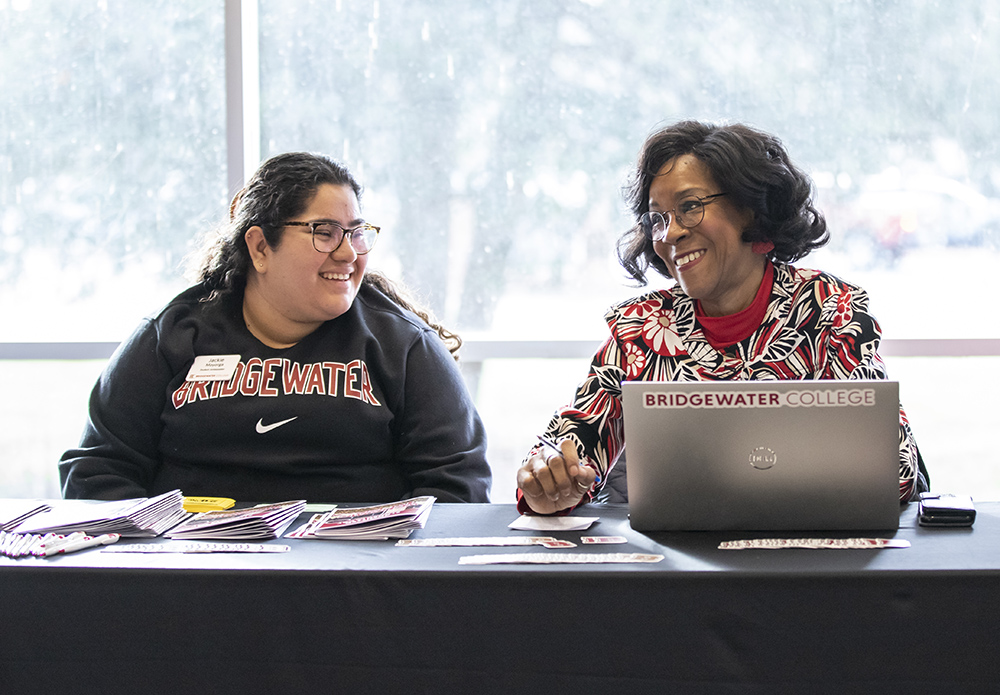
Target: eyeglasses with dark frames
x=689, y=213
x=328, y=236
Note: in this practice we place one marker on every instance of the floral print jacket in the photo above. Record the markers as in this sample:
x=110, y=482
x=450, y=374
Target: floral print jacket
x=816, y=327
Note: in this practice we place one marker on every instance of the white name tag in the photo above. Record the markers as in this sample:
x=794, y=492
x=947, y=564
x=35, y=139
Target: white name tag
x=213, y=368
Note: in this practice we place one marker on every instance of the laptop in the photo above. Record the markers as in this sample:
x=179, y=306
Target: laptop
x=762, y=455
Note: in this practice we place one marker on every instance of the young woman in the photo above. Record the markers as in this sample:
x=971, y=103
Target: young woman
x=287, y=372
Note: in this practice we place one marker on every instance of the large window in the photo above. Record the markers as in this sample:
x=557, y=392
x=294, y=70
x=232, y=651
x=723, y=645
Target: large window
x=493, y=139
x=112, y=159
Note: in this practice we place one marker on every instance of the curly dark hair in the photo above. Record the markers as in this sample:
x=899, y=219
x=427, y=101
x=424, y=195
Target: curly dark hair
x=754, y=170
x=281, y=189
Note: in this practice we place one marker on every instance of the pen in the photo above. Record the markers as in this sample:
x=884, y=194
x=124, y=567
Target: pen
x=38, y=543
x=57, y=541
x=548, y=442
x=83, y=543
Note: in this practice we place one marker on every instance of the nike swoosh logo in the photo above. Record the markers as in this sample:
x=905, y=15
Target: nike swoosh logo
x=264, y=429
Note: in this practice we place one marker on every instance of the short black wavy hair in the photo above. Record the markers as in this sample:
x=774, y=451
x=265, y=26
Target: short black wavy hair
x=754, y=170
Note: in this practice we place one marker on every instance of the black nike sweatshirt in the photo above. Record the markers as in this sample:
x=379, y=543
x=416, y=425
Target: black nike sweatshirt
x=369, y=408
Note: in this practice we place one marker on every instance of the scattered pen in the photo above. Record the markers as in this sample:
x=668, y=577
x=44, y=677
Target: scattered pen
x=83, y=543
x=548, y=442
x=49, y=545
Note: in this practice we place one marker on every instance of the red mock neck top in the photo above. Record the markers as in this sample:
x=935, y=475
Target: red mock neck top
x=723, y=331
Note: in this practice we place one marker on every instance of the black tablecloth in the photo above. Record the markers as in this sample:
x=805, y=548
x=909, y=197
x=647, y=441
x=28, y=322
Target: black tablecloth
x=368, y=616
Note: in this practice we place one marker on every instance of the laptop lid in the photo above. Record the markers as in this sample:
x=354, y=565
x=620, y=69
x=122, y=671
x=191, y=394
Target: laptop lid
x=762, y=455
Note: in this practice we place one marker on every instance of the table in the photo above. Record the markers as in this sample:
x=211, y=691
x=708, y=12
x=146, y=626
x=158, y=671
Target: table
x=367, y=616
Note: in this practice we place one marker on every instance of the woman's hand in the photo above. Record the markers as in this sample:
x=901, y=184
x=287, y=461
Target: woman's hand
x=555, y=483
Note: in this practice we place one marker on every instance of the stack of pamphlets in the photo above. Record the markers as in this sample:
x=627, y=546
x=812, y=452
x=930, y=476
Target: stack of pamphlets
x=264, y=522
x=378, y=522
x=135, y=518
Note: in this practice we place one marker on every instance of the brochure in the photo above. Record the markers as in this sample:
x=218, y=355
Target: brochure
x=263, y=522
x=135, y=518
x=377, y=522
x=13, y=513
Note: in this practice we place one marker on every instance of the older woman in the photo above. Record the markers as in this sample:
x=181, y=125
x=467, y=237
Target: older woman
x=721, y=210
x=287, y=372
